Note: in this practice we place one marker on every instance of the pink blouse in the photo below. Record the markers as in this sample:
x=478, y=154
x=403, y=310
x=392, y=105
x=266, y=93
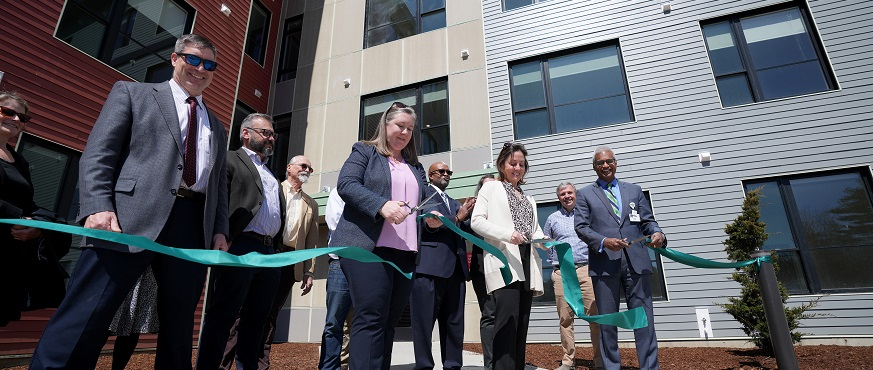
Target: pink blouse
x=404, y=186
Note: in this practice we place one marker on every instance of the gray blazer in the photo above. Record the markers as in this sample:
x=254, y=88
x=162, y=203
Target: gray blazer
x=595, y=221
x=365, y=185
x=132, y=164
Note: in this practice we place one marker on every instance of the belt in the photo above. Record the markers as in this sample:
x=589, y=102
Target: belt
x=190, y=194
x=266, y=239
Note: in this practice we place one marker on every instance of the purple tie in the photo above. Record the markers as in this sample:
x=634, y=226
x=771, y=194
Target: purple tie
x=189, y=173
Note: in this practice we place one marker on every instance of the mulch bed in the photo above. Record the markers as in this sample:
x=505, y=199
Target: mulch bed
x=302, y=356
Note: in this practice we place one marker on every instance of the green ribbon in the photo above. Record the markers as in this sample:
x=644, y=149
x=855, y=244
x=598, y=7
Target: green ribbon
x=205, y=256
x=504, y=270
x=693, y=261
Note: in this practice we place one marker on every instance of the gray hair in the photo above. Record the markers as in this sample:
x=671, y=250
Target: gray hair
x=194, y=41
x=247, y=122
x=294, y=159
x=601, y=149
x=563, y=185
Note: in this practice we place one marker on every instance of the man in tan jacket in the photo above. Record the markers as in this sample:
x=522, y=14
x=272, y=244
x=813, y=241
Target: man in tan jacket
x=300, y=232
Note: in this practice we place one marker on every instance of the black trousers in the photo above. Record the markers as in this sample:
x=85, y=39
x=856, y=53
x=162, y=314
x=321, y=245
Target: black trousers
x=78, y=329
x=511, y=318
x=379, y=294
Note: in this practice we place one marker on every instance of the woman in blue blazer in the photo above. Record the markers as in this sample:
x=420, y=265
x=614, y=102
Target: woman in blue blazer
x=381, y=182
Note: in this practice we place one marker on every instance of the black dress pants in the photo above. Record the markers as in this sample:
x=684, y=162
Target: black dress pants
x=511, y=318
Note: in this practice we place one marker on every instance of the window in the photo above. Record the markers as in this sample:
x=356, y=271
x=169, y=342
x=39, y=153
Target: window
x=512, y=4
x=290, y=49
x=659, y=292
x=240, y=112
x=136, y=37
x=281, y=145
x=766, y=55
x=259, y=29
x=569, y=92
x=821, y=226
x=389, y=20
x=431, y=104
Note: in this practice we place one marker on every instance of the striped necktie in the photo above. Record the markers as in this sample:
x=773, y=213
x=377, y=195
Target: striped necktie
x=614, y=203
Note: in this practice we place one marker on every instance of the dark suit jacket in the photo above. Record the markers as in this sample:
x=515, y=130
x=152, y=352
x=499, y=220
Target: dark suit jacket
x=441, y=249
x=365, y=184
x=132, y=164
x=247, y=194
x=595, y=221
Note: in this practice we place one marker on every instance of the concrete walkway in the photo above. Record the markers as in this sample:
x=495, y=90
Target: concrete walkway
x=403, y=357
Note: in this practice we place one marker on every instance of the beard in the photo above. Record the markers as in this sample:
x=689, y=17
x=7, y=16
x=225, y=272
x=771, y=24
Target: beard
x=261, y=147
x=303, y=177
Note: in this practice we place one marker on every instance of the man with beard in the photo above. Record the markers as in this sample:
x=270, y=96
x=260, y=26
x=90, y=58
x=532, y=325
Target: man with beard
x=256, y=210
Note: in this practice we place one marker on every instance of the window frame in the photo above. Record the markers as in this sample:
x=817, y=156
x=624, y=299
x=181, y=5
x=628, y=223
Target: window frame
x=418, y=29
x=112, y=32
x=549, y=104
x=419, y=101
x=261, y=58
x=802, y=246
x=292, y=26
x=749, y=71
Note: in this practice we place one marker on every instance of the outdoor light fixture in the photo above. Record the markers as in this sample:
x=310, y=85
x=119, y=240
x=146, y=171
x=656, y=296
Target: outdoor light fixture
x=704, y=157
x=465, y=54
x=347, y=82
x=225, y=10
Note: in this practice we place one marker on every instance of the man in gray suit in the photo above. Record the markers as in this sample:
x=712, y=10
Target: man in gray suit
x=610, y=214
x=154, y=166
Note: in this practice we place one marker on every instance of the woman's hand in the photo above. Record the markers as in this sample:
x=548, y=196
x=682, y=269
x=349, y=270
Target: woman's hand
x=517, y=238
x=393, y=212
x=433, y=222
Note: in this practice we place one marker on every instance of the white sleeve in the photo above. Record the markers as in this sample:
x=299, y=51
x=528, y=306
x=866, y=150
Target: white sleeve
x=334, y=209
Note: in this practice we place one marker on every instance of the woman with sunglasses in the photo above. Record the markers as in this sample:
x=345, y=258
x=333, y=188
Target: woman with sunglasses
x=506, y=218
x=30, y=275
x=382, y=183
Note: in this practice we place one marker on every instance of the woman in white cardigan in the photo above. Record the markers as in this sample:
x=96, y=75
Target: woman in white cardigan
x=506, y=218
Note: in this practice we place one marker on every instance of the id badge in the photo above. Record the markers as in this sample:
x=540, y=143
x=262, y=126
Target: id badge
x=634, y=216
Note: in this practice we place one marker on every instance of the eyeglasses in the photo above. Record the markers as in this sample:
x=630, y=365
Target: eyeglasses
x=442, y=172
x=267, y=133
x=9, y=112
x=305, y=167
x=194, y=60
x=610, y=162
x=394, y=105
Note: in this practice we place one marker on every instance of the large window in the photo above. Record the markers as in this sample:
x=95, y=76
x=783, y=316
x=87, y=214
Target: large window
x=512, y=4
x=766, y=55
x=135, y=37
x=259, y=30
x=569, y=91
x=290, y=49
x=821, y=226
x=431, y=104
x=659, y=291
x=389, y=20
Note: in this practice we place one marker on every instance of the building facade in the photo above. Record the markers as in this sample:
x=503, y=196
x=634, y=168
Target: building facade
x=776, y=92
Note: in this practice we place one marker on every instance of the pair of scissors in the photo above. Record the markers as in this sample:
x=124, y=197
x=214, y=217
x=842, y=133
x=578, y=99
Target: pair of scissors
x=640, y=239
x=418, y=207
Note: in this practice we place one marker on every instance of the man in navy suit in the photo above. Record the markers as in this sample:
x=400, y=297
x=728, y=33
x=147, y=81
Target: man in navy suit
x=441, y=272
x=154, y=166
x=609, y=215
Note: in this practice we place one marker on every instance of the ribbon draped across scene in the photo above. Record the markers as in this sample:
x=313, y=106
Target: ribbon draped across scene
x=631, y=319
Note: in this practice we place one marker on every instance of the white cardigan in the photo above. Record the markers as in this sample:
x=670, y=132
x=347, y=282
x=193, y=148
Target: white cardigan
x=492, y=220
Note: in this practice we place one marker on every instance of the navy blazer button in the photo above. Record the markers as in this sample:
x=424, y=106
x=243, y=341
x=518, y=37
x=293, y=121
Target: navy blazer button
x=179, y=167
x=173, y=191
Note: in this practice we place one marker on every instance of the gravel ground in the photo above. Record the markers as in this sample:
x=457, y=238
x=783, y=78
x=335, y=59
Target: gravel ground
x=295, y=356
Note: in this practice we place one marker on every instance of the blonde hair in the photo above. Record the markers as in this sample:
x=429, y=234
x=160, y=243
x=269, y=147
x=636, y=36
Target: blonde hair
x=11, y=95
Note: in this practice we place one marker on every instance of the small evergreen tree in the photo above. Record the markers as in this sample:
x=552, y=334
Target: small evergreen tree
x=747, y=234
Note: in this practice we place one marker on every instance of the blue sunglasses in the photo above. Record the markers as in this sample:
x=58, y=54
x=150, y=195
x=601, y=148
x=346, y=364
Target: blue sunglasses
x=194, y=60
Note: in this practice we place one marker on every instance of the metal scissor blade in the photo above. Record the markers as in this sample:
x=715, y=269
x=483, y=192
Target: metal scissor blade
x=418, y=207
x=637, y=240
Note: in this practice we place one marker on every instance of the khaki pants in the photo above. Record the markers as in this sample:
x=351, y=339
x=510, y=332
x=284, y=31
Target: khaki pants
x=567, y=317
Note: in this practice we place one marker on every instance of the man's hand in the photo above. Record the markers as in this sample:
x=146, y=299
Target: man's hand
x=106, y=220
x=306, y=284
x=657, y=240
x=615, y=244
x=466, y=208
x=219, y=243
x=393, y=211
x=24, y=233
x=434, y=223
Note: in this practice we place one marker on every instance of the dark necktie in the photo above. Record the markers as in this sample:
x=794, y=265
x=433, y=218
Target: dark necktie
x=189, y=173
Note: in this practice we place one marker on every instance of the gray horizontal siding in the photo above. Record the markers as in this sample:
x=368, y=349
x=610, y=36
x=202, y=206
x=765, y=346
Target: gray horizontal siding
x=677, y=113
